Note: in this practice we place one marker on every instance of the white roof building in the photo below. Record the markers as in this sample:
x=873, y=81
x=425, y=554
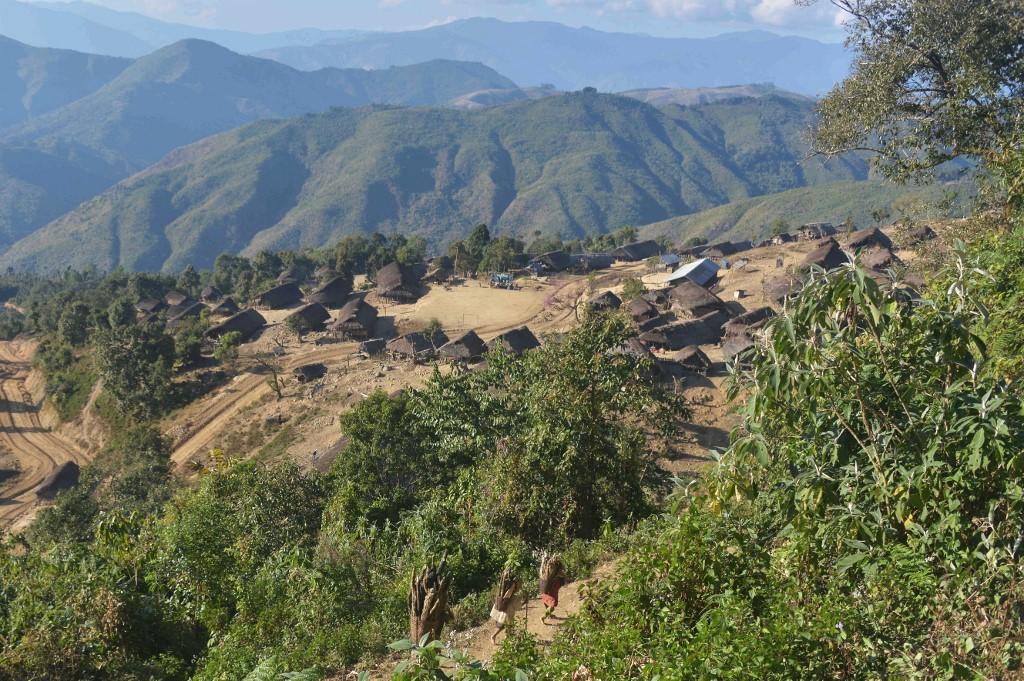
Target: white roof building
x=701, y=272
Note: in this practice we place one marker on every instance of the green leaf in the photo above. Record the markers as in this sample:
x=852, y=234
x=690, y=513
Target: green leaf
x=403, y=645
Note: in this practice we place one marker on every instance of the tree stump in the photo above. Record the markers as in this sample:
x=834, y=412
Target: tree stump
x=428, y=601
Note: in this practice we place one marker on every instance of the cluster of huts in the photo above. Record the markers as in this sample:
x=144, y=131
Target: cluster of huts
x=554, y=262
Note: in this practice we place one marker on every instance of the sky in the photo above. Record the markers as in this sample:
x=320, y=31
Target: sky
x=693, y=18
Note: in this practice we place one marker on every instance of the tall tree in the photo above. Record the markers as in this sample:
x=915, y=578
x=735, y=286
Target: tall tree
x=932, y=80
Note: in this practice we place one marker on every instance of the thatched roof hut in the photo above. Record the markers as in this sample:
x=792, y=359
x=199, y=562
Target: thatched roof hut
x=554, y=261
x=279, y=297
x=373, y=347
x=641, y=310
x=735, y=346
x=516, y=341
x=781, y=288
x=827, y=256
x=210, y=294
x=309, y=372
x=588, y=262
x=225, y=308
x=440, y=270
x=414, y=345
x=311, y=317
x=634, y=348
x=357, y=320
x=637, y=251
x=741, y=323
x=692, y=359
x=604, y=302
x=189, y=308
x=149, y=306
x=64, y=477
x=722, y=250
x=247, y=322
x=174, y=298
x=678, y=336
x=880, y=259
x=694, y=300
x=658, y=297
x=290, y=275
x=397, y=282
x=333, y=293
x=871, y=237
x=715, y=321
x=467, y=347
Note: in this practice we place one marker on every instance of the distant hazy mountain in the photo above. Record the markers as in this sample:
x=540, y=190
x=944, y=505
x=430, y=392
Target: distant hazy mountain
x=44, y=27
x=534, y=53
x=572, y=165
x=664, y=96
x=156, y=33
x=34, y=80
x=176, y=96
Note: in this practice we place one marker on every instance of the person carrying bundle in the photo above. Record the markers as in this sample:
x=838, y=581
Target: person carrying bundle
x=504, y=602
x=552, y=577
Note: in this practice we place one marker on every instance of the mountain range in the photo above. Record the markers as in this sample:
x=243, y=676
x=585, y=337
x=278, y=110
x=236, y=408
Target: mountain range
x=536, y=53
x=530, y=53
x=170, y=98
x=86, y=27
x=577, y=164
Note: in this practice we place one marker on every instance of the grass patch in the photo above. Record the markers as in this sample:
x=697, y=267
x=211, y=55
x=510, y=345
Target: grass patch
x=70, y=388
x=278, y=446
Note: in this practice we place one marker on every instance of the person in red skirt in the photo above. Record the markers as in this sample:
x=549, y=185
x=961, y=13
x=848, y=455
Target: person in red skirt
x=552, y=577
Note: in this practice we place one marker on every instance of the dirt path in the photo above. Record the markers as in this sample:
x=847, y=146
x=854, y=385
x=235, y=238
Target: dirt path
x=37, y=450
x=477, y=642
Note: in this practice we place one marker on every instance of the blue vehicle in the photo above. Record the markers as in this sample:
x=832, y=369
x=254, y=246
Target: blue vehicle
x=503, y=280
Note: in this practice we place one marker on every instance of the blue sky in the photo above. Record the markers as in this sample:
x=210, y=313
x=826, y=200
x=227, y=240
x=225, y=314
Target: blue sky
x=657, y=17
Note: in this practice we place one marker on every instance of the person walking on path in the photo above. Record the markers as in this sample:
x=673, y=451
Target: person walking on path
x=552, y=578
x=504, y=602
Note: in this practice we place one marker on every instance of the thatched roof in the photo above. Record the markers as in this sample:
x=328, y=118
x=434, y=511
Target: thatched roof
x=746, y=320
x=880, y=259
x=291, y=275
x=173, y=298
x=678, y=336
x=313, y=316
x=309, y=372
x=588, y=262
x=333, y=293
x=816, y=230
x=871, y=237
x=554, y=261
x=781, y=288
x=225, y=308
x=210, y=294
x=641, y=310
x=189, y=308
x=149, y=305
x=247, y=322
x=373, y=346
x=397, y=281
x=827, y=256
x=416, y=344
x=516, y=341
x=64, y=477
x=735, y=346
x=439, y=270
x=637, y=251
x=466, y=347
x=721, y=250
x=658, y=297
x=604, y=302
x=715, y=321
x=693, y=358
x=634, y=348
x=279, y=296
x=357, y=319
x=694, y=300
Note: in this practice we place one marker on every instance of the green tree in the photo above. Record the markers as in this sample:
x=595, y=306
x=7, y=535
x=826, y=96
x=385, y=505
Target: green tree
x=120, y=313
x=779, y=226
x=476, y=246
x=135, y=365
x=500, y=254
x=226, y=351
x=633, y=288
x=932, y=80
x=73, y=327
x=188, y=281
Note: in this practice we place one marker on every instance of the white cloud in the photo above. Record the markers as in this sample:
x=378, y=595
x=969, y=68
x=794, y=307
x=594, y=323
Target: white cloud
x=769, y=12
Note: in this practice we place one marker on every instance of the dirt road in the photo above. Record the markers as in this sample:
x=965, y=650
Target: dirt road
x=36, y=449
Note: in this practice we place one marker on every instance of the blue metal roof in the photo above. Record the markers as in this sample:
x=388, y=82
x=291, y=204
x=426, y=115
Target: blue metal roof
x=700, y=272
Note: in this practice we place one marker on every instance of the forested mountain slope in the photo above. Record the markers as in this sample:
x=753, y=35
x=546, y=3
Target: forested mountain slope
x=573, y=165
x=174, y=97
x=35, y=80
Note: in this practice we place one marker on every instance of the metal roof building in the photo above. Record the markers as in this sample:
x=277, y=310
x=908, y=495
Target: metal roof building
x=701, y=272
